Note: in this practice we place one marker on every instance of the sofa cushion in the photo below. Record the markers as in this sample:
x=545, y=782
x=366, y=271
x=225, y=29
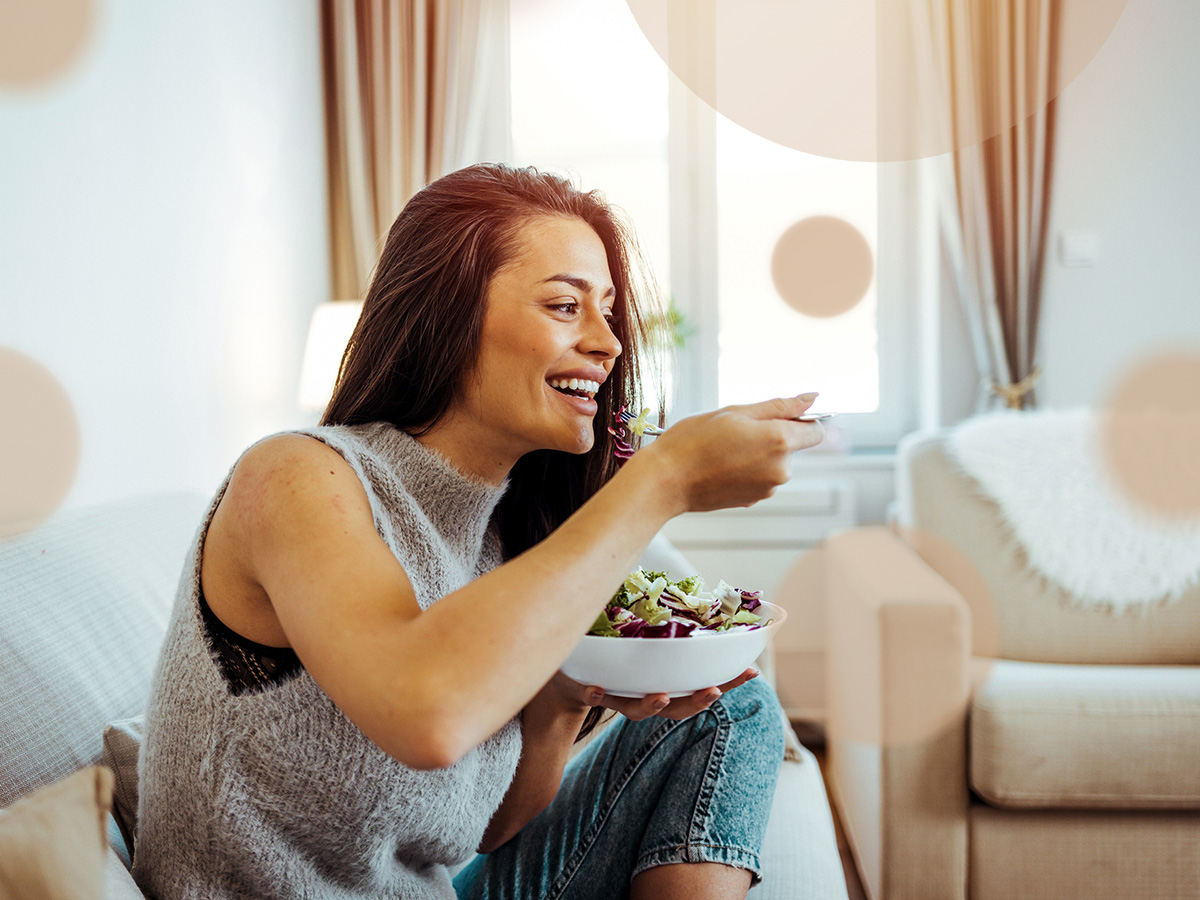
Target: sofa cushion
x=800, y=858
x=122, y=741
x=1050, y=735
x=118, y=883
x=53, y=844
x=82, y=615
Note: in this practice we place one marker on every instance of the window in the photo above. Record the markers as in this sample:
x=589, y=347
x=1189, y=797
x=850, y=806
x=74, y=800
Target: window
x=762, y=189
x=591, y=98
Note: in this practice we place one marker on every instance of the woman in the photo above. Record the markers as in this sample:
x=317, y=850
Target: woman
x=321, y=727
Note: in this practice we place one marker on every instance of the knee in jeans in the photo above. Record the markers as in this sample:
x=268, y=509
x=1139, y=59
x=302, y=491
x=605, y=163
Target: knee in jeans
x=756, y=701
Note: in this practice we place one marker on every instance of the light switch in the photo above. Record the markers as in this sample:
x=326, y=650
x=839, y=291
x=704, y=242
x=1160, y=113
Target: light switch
x=1078, y=248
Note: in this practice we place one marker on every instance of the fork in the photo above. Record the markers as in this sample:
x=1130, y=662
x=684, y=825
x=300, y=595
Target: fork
x=655, y=431
x=648, y=429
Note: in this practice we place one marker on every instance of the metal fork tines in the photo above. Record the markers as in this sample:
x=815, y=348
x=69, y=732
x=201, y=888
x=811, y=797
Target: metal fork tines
x=648, y=430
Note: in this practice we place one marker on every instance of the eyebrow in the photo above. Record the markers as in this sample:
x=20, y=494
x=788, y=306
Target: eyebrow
x=576, y=282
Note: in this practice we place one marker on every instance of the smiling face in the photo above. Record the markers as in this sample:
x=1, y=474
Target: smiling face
x=544, y=349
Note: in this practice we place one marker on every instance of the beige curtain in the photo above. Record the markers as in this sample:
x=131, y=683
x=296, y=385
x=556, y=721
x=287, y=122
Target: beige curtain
x=994, y=64
x=413, y=89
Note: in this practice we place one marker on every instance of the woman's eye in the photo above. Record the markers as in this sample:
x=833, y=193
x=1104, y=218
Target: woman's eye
x=565, y=306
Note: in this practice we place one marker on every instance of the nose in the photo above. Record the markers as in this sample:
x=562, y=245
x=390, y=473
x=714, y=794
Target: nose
x=598, y=338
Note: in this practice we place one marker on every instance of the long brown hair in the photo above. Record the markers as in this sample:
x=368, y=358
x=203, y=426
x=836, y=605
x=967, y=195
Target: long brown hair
x=419, y=330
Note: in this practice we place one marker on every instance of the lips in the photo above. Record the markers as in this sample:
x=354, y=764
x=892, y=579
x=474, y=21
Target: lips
x=580, y=400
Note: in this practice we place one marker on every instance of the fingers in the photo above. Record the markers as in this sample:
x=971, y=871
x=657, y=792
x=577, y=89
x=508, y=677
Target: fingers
x=802, y=435
x=702, y=700
x=636, y=709
x=681, y=707
x=685, y=707
x=640, y=708
x=662, y=705
x=782, y=411
x=780, y=407
x=740, y=680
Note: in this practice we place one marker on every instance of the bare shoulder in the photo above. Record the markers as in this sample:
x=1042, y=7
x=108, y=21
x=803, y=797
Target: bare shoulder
x=279, y=499
x=291, y=456
x=287, y=492
x=289, y=474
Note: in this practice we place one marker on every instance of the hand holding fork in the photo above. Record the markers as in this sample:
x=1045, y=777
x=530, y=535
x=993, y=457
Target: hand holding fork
x=639, y=425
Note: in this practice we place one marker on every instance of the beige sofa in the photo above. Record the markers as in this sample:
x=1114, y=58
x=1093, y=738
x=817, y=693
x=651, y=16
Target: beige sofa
x=989, y=738
x=83, y=610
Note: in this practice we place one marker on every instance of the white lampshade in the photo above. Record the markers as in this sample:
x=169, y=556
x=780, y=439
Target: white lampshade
x=330, y=330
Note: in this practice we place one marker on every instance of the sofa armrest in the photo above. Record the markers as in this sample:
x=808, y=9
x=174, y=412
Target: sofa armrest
x=898, y=690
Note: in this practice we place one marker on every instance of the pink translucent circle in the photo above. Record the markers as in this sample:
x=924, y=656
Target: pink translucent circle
x=1150, y=434
x=39, y=39
x=913, y=627
x=846, y=79
x=40, y=455
x=822, y=266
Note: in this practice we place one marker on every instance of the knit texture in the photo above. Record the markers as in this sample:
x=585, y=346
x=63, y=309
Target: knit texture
x=275, y=793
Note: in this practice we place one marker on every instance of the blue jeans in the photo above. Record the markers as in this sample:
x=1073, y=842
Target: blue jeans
x=646, y=794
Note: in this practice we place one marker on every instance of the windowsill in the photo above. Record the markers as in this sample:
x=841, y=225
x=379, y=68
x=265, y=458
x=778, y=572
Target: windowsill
x=855, y=460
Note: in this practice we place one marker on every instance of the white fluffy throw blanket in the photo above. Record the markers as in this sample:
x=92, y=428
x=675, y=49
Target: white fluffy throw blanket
x=1045, y=471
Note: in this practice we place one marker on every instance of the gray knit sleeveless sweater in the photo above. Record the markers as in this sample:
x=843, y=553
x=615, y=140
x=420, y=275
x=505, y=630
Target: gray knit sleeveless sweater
x=275, y=793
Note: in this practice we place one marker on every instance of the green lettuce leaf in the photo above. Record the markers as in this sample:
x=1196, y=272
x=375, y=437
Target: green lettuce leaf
x=651, y=611
x=603, y=626
x=741, y=617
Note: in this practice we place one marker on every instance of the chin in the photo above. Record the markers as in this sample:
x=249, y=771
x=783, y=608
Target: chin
x=581, y=444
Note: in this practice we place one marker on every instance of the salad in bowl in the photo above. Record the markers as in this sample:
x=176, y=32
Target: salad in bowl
x=661, y=636
x=648, y=605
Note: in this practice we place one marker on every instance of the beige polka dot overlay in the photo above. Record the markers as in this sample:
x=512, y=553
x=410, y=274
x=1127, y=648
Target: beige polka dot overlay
x=850, y=79
x=822, y=266
x=1150, y=435
x=912, y=628
x=40, y=453
x=40, y=39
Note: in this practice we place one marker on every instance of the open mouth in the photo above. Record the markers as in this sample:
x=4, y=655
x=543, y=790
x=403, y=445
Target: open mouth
x=575, y=387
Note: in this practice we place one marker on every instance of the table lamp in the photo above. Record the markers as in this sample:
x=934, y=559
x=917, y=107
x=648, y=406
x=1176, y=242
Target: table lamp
x=328, y=333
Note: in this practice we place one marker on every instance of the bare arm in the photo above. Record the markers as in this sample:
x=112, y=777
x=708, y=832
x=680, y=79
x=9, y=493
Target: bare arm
x=422, y=684
x=549, y=726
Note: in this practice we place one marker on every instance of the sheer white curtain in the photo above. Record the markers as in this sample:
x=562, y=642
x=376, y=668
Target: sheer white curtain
x=413, y=89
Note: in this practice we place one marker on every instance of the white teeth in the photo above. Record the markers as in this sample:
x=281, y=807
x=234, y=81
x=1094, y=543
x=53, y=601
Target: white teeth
x=575, y=384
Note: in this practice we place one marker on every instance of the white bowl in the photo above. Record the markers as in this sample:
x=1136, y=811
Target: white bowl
x=635, y=667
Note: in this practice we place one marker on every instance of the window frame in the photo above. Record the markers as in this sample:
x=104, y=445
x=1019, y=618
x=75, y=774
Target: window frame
x=902, y=239
x=693, y=211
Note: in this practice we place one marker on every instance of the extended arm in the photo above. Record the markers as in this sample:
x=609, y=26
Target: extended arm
x=423, y=685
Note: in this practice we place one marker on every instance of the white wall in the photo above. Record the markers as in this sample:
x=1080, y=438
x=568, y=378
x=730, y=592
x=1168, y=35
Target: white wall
x=1129, y=171
x=1126, y=172
x=163, y=234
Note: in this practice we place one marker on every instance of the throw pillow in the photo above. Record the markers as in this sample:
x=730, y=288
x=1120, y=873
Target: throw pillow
x=53, y=844
x=120, y=754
